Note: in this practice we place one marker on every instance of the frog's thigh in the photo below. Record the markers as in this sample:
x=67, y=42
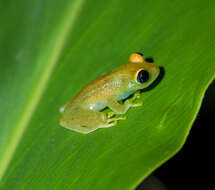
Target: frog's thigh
x=78, y=128
x=84, y=121
x=117, y=107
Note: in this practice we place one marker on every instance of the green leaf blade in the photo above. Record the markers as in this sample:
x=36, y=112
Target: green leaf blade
x=72, y=47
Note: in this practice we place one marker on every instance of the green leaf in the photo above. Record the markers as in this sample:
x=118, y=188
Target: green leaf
x=51, y=49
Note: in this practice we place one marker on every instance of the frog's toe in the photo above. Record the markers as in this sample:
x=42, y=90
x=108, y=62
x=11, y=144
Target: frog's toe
x=113, y=123
x=122, y=118
x=110, y=114
x=116, y=119
x=137, y=104
x=110, y=124
x=137, y=95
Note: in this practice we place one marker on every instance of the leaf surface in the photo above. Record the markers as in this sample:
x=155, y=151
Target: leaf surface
x=51, y=49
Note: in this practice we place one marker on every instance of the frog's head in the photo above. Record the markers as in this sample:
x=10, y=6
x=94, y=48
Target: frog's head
x=141, y=72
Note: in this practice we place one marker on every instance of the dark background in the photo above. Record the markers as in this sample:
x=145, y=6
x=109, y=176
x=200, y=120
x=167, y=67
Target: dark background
x=192, y=168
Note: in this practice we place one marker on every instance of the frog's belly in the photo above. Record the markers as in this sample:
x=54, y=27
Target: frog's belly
x=124, y=95
x=97, y=106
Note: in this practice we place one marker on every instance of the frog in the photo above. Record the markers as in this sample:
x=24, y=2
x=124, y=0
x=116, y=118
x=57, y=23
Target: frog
x=117, y=90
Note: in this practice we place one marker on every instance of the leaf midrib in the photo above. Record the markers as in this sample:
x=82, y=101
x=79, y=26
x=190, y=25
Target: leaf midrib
x=50, y=61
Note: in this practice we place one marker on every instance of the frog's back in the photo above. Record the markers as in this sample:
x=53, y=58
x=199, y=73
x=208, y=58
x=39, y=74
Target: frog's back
x=97, y=91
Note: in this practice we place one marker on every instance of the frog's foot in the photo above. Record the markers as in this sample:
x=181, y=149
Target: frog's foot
x=111, y=124
x=137, y=104
x=136, y=96
x=110, y=114
x=130, y=102
x=116, y=119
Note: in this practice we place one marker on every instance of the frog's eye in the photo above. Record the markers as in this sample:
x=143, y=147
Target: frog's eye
x=142, y=76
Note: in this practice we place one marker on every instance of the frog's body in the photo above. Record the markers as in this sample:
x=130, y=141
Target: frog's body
x=82, y=113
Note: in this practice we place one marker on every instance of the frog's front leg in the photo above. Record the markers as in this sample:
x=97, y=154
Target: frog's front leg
x=118, y=108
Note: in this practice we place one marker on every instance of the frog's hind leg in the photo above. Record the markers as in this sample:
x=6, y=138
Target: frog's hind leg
x=85, y=121
x=78, y=128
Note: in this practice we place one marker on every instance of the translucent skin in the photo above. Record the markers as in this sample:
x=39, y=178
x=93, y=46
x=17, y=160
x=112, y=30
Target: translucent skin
x=83, y=113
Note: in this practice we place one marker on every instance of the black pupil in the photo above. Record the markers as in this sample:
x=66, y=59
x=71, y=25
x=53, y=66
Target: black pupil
x=143, y=76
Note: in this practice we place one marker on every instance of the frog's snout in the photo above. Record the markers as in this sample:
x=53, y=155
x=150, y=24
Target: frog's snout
x=155, y=71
